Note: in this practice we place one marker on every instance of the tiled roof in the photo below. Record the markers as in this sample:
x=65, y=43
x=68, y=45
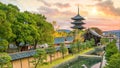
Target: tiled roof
x=59, y=40
x=58, y=47
x=78, y=27
x=94, y=33
x=26, y=54
x=21, y=55
x=64, y=30
x=77, y=22
x=78, y=17
x=69, y=38
x=62, y=39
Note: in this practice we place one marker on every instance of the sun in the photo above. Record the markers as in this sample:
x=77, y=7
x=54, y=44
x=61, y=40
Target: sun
x=94, y=11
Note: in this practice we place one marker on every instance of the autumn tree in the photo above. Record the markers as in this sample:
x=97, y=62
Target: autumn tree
x=97, y=30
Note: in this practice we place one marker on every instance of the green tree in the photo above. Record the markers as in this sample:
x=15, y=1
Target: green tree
x=51, y=51
x=114, y=61
x=111, y=49
x=63, y=50
x=39, y=56
x=104, y=41
x=92, y=42
x=24, y=27
x=88, y=45
x=5, y=27
x=73, y=48
x=3, y=45
x=4, y=59
x=41, y=29
x=78, y=46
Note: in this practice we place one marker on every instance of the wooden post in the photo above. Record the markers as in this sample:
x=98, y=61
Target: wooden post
x=21, y=63
x=12, y=64
x=28, y=62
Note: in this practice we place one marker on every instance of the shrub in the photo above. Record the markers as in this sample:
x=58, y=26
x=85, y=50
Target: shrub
x=4, y=59
x=114, y=61
x=111, y=49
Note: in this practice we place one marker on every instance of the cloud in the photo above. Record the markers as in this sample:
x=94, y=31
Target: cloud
x=63, y=18
x=97, y=0
x=60, y=5
x=108, y=8
x=46, y=10
x=102, y=23
x=45, y=3
x=54, y=13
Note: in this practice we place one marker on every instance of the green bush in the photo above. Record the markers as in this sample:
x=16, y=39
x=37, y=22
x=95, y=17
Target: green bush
x=4, y=59
x=3, y=45
x=114, y=61
x=111, y=49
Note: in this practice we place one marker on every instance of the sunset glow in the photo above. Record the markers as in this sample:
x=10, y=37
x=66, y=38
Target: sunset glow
x=95, y=11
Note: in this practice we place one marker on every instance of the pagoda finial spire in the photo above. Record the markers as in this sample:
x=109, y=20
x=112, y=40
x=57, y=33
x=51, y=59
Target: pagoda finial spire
x=78, y=9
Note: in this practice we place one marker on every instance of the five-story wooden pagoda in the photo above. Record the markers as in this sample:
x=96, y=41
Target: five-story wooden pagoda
x=78, y=23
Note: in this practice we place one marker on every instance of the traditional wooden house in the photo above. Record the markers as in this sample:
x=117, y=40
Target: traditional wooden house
x=90, y=33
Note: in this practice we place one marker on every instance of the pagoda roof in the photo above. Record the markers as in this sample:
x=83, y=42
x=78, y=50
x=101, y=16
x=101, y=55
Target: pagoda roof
x=78, y=27
x=78, y=17
x=77, y=22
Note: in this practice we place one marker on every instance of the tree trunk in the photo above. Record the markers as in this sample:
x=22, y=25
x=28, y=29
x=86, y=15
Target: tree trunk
x=78, y=48
x=23, y=48
x=17, y=44
x=35, y=44
x=63, y=55
x=1, y=66
x=37, y=62
x=51, y=59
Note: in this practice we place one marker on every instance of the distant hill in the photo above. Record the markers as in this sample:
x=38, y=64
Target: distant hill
x=116, y=32
x=64, y=30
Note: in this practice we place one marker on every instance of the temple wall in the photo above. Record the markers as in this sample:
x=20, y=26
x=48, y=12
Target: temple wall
x=26, y=62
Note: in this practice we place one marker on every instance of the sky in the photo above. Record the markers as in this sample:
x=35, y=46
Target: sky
x=103, y=14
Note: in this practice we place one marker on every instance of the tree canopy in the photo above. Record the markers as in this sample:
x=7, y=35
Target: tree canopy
x=24, y=27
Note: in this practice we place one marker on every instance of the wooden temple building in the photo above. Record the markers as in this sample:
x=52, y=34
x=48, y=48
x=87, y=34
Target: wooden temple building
x=92, y=34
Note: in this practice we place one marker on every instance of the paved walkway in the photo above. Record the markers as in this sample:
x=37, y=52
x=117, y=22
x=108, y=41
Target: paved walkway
x=98, y=64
